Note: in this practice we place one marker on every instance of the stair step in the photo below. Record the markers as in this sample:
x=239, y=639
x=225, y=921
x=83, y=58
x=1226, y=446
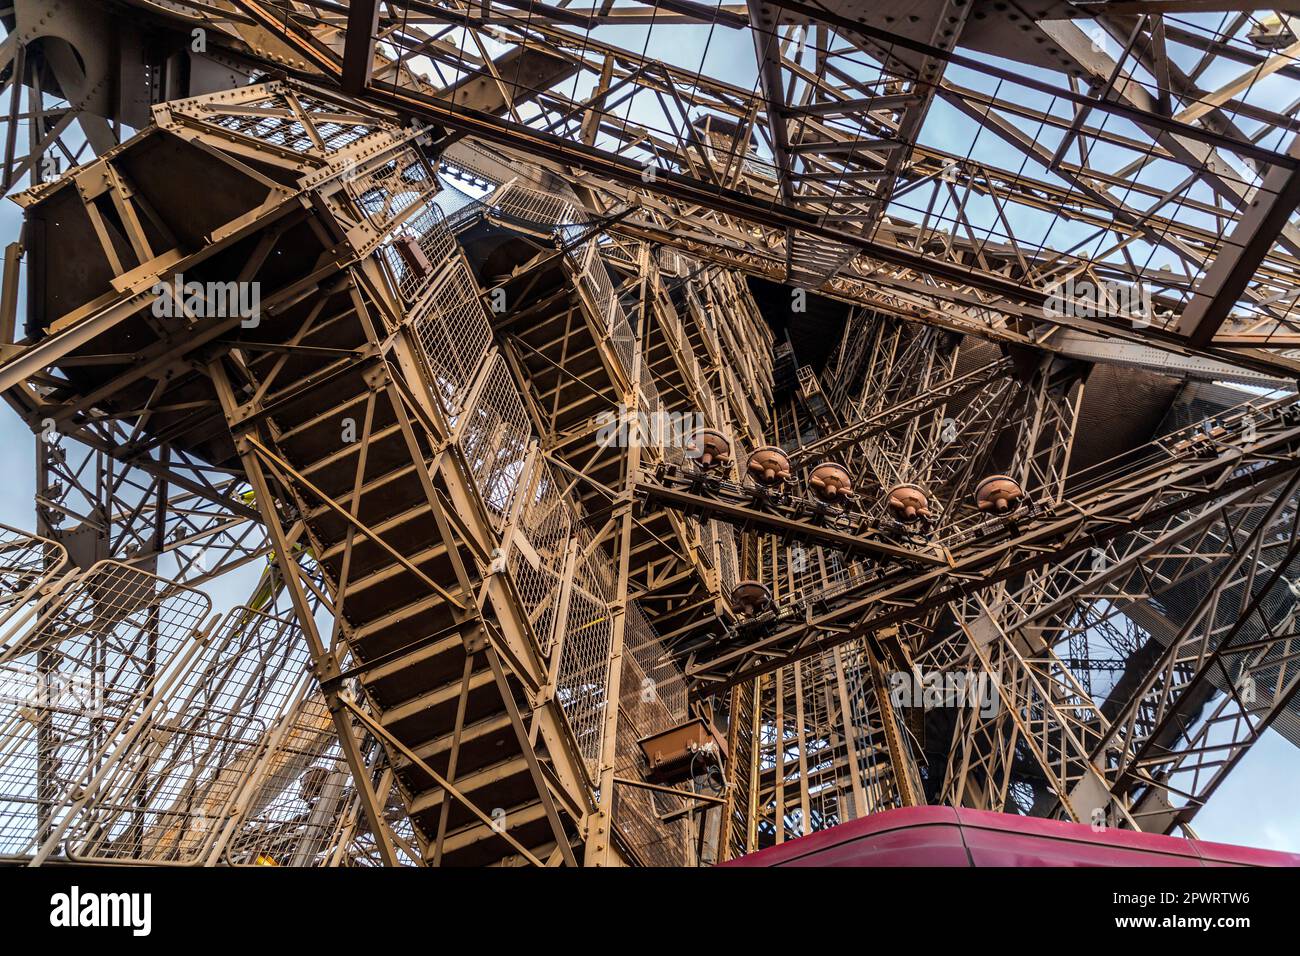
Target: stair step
x=481, y=743
x=428, y=614
x=427, y=716
x=495, y=785
x=480, y=845
x=429, y=665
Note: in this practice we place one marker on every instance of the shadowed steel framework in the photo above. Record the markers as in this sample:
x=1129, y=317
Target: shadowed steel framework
x=466, y=434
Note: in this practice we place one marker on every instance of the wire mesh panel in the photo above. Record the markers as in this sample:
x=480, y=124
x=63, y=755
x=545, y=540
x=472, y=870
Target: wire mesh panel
x=659, y=686
x=521, y=204
x=624, y=253
x=653, y=699
x=725, y=535
x=413, y=268
x=270, y=119
x=597, y=287
x=494, y=438
x=335, y=128
x=291, y=811
x=546, y=522
x=28, y=564
x=671, y=262
x=165, y=801
x=597, y=278
x=75, y=686
x=661, y=436
x=273, y=113
x=583, y=676
x=640, y=813
x=454, y=335
x=390, y=188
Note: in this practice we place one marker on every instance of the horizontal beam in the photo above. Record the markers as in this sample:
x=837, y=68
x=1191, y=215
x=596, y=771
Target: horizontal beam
x=1136, y=499
x=653, y=493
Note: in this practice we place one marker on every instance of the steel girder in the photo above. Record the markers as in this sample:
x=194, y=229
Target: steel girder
x=814, y=57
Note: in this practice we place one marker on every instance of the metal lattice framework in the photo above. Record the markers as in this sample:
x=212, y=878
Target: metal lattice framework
x=402, y=317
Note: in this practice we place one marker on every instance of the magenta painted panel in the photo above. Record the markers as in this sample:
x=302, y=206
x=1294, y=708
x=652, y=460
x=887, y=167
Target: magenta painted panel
x=1227, y=854
x=1002, y=848
x=942, y=836
x=867, y=827
x=1004, y=839
x=921, y=845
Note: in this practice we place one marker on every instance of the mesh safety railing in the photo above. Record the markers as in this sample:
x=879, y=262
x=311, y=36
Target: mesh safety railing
x=169, y=801
x=79, y=685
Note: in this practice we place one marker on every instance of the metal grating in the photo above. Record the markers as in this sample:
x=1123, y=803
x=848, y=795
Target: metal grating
x=77, y=687
x=393, y=186
x=171, y=801
x=429, y=229
x=28, y=566
x=546, y=521
x=584, y=664
x=301, y=792
x=494, y=438
x=453, y=333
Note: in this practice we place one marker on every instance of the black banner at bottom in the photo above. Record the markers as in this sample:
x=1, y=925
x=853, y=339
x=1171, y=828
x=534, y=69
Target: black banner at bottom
x=140, y=907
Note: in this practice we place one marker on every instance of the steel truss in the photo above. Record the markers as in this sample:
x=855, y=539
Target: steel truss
x=1046, y=742
x=487, y=573
x=824, y=143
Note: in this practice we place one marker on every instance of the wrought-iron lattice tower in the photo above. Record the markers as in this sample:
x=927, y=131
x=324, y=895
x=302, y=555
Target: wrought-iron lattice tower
x=593, y=448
